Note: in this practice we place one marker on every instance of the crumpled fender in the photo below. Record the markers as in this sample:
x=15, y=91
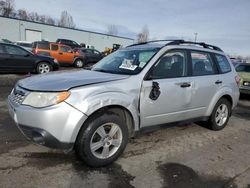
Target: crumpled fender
x=94, y=102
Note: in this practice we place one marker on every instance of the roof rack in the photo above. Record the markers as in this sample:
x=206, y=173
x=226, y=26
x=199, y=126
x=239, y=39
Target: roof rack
x=203, y=44
x=178, y=42
x=152, y=41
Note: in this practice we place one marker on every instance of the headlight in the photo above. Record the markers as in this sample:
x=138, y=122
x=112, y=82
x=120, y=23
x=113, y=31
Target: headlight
x=55, y=60
x=44, y=99
x=246, y=83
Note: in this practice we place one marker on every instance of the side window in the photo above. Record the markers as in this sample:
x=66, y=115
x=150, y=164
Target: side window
x=13, y=50
x=89, y=51
x=202, y=64
x=171, y=65
x=65, y=49
x=96, y=52
x=54, y=47
x=223, y=63
x=2, y=49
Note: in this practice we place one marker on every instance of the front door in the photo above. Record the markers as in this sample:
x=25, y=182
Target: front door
x=18, y=59
x=166, y=94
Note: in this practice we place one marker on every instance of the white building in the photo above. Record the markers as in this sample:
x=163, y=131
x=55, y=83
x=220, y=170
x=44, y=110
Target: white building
x=19, y=30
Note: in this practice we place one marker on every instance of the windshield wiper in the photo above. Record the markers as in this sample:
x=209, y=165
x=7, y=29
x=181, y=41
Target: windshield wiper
x=106, y=71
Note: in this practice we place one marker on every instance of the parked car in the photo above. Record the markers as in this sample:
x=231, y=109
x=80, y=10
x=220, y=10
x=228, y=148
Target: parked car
x=25, y=44
x=90, y=55
x=243, y=70
x=62, y=53
x=14, y=58
x=70, y=43
x=96, y=111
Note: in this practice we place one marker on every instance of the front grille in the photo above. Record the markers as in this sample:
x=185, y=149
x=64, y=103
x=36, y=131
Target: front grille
x=18, y=95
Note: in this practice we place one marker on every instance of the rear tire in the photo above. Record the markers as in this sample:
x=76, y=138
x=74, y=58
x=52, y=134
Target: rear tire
x=43, y=67
x=78, y=63
x=220, y=115
x=102, y=140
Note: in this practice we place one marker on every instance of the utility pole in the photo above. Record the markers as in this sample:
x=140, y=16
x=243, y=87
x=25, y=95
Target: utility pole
x=195, y=37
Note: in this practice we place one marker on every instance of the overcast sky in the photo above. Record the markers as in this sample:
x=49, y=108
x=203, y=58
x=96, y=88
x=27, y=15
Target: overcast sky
x=225, y=23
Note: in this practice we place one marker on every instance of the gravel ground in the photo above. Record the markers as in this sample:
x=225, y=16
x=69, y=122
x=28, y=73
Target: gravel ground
x=172, y=156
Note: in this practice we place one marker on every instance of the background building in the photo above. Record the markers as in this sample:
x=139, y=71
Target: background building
x=19, y=30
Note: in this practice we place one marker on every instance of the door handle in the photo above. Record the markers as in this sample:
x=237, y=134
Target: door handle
x=60, y=53
x=184, y=84
x=218, y=82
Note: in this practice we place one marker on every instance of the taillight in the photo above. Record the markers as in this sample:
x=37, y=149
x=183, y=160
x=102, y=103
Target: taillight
x=237, y=80
x=35, y=51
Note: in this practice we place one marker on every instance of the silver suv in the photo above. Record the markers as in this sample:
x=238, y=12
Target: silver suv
x=96, y=111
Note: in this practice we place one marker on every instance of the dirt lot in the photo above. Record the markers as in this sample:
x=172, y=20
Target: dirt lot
x=173, y=156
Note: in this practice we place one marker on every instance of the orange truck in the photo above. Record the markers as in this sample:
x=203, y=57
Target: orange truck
x=62, y=53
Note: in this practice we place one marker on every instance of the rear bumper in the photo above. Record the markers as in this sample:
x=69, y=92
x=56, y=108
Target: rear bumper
x=55, y=126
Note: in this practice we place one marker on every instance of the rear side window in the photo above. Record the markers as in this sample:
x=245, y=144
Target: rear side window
x=43, y=45
x=54, y=47
x=202, y=64
x=223, y=63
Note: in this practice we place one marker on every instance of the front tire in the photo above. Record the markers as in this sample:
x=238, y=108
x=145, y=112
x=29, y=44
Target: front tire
x=102, y=140
x=43, y=67
x=220, y=115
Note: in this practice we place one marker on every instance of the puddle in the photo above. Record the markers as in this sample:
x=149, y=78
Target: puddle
x=116, y=175
x=180, y=176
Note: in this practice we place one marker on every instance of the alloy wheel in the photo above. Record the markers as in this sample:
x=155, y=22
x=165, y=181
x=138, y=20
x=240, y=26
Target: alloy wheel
x=221, y=115
x=106, y=140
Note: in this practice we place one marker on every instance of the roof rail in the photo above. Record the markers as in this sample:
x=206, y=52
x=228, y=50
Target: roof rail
x=203, y=44
x=152, y=41
x=180, y=41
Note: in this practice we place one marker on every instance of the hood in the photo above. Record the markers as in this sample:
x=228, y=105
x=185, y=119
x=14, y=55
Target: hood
x=244, y=76
x=65, y=80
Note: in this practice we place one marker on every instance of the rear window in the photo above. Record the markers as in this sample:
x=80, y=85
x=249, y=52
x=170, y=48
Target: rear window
x=223, y=63
x=42, y=45
x=243, y=68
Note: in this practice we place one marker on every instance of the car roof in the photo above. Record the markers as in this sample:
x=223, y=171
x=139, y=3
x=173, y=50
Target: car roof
x=24, y=42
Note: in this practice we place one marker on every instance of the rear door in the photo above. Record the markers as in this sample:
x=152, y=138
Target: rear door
x=166, y=94
x=65, y=54
x=206, y=82
x=54, y=51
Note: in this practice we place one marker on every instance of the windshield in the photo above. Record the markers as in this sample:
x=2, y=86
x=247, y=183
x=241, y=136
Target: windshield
x=243, y=68
x=126, y=61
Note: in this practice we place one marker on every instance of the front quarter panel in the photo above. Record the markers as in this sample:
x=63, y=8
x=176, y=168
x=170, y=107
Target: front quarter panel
x=90, y=99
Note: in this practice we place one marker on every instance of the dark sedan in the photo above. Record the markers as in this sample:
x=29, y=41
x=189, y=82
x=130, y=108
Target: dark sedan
x=14, y=58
